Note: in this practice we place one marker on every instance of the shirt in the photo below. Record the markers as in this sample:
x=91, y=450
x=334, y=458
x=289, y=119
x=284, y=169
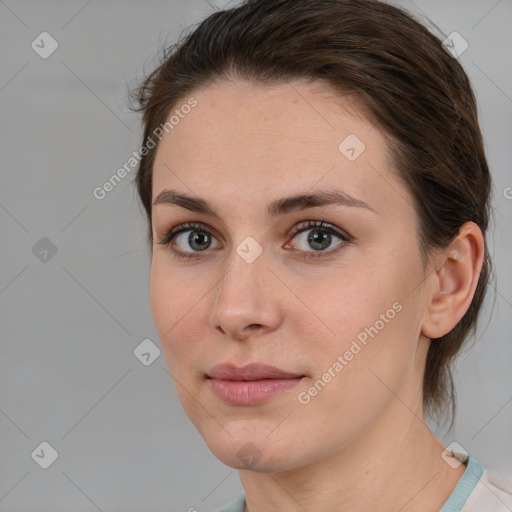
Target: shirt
x=476, y=491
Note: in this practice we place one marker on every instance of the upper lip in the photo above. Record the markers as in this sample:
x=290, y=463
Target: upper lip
x=253, y=371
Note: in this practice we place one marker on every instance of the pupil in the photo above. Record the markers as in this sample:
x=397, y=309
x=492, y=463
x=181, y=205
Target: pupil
x=195, y=236
x=317, y=239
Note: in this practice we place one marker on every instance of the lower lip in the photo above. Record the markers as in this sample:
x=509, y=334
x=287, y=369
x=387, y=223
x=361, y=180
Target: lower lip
x=250, y=392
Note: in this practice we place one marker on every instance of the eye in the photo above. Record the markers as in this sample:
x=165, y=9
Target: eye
x=319, y=238
x=198, y=237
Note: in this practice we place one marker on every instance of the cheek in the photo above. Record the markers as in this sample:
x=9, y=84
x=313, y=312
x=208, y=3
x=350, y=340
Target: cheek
x=343, y=307
x=375, y=320
x=161, y=301
x=169, y=306
x=178, y=305
x=170, y=296
x=362, y=316
x=352, y=368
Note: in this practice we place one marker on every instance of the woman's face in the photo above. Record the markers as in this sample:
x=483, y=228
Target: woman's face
x=339, y=306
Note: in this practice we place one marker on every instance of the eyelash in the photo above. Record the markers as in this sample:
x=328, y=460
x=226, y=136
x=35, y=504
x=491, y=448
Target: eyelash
x=300, y=228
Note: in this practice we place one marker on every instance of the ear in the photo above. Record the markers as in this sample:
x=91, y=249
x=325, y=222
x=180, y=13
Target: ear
x=454, y=281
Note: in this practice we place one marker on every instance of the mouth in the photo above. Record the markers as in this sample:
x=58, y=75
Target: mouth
x=250, y=385
x=242, y=392
x=250, y=372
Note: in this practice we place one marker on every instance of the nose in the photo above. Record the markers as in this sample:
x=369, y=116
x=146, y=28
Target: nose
x=247, y=299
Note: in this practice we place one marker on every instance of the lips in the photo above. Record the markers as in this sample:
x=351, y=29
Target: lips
x=251, y=384
x=251, y=372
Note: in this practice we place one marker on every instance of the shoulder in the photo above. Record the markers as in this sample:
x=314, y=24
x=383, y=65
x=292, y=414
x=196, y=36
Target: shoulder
x=237, y=505
x=492, y=493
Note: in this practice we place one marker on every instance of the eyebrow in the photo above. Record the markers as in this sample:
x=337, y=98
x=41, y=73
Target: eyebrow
x=275, y=208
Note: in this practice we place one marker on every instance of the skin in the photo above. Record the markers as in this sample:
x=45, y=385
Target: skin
x=361, y=443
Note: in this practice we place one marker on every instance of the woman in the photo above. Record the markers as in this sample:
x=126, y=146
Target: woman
x=310, y=363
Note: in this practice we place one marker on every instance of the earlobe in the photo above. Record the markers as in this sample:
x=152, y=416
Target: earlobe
x=454, y=281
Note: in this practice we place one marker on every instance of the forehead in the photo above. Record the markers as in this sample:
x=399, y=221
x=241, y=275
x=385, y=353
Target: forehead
x=250, y=143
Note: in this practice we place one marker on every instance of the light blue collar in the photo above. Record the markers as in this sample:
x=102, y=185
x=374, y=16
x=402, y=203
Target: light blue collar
x=455, y=502
x=236, y=505
x=464, y=488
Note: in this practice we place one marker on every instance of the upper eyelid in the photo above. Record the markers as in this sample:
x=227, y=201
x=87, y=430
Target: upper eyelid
x=301, y=226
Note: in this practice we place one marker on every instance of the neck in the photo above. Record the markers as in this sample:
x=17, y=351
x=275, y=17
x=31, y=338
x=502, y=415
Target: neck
x=385, y=469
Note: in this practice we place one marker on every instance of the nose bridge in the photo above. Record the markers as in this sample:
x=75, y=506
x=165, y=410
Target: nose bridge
x=244, y=271
x=242, y=296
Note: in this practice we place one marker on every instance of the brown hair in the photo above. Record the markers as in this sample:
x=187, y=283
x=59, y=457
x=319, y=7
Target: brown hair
x=416, y=92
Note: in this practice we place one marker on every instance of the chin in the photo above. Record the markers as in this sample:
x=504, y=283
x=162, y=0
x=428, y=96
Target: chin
x=250, y=452
x=250, y=458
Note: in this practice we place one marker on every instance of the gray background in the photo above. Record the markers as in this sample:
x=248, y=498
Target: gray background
x=70, y=324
